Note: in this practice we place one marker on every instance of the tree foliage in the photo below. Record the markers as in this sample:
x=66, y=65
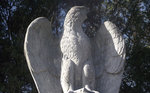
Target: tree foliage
x=15, y=16
x=131, y=16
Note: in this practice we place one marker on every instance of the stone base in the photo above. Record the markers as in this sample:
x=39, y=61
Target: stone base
x=84, y=90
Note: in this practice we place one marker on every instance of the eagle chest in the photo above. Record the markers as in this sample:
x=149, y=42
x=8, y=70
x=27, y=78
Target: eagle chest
x=79, y=45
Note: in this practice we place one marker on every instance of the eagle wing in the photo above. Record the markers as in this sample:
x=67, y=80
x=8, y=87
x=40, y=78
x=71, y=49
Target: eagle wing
x=43, y=56
x=109, y=58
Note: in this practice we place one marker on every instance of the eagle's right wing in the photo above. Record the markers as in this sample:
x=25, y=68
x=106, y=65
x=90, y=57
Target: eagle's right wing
x=43, y=56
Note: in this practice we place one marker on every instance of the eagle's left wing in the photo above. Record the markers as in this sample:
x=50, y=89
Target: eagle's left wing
x=109, y=58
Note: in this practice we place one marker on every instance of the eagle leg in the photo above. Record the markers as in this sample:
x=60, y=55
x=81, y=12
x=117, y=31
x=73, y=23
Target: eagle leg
x=88, y=76
x=67, y=75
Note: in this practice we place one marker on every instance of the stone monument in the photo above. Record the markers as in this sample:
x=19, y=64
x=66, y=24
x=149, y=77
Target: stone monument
x=75, y=63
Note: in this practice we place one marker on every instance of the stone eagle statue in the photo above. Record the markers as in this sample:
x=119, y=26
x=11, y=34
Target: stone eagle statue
x=75, y=63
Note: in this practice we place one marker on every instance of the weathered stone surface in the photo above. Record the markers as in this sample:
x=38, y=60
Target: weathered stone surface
x=76, y=63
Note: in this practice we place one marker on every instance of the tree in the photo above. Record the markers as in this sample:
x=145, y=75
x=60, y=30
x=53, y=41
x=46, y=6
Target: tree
x=16, y=15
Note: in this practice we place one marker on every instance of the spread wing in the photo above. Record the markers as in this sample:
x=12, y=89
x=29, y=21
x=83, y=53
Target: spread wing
x=109, y=57
x=43, y=56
